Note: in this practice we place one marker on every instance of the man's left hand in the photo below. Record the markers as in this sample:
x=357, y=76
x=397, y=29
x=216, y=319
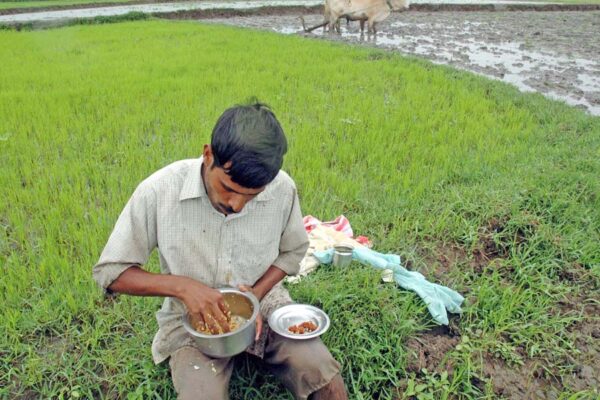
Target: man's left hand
x=259, y=320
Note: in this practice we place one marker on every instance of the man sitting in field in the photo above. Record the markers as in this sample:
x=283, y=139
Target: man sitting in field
x=228, y=218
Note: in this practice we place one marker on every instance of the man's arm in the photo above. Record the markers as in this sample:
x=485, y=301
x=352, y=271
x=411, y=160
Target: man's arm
x=129, y=246
x=266, y=282
x=201, y=301
x=261, y=288
x=292, y=248
x=294, y=240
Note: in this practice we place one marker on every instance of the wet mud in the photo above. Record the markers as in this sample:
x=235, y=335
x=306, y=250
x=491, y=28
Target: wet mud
x=417, y=5
x=429, y=350
x=159, y=9
x=21, y=10
x=556, y=53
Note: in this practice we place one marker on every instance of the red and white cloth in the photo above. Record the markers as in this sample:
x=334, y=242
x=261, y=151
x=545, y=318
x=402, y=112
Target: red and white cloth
x=340, y=224
x=323, y=236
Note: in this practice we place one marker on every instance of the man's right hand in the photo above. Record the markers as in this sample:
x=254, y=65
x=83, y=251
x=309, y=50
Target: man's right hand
x=205, y=305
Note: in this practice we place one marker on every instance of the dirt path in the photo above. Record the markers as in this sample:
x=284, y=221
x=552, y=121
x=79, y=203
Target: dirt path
x=555, y=53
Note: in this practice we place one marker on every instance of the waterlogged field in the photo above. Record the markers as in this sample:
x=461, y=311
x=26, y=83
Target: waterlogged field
x=6, y=5
x=479, y=187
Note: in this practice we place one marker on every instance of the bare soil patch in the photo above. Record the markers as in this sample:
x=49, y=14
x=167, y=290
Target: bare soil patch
x=22, y=10
x=429, y=350
x=217, y=14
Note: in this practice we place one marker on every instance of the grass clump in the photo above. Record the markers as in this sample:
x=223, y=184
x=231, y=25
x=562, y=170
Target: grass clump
x=110, y=19
x=480, y=187
x=98, y=20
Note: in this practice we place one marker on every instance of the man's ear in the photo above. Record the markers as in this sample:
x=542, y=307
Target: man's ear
x=207, y=154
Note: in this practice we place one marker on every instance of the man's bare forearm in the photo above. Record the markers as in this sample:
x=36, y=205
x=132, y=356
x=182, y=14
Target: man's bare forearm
x=266, y=282
x=202, y=302
x=135, y=281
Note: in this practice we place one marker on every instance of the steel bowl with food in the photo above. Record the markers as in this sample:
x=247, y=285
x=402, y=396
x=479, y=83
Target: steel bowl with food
x=244, y=307
x=299, y=321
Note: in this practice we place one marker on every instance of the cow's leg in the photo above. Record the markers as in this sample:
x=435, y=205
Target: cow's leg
x=362, y=26
x=369, y=26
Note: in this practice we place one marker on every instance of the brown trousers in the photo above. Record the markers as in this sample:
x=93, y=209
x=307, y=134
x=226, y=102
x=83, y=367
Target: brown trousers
x=303, y=366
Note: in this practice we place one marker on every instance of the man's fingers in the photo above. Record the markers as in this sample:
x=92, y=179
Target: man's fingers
x=223, y=307
x=221, y=319
x=245, y=288
x=259, y=327
x=197, y=322
x=211, y=323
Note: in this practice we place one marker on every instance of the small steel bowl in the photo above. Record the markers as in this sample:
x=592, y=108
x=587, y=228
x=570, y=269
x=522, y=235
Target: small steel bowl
x=342, y=256
x=294, y=314
x=244, y=304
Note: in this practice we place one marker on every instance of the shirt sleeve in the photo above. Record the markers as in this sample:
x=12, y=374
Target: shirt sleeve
x=132, y=240
x=294, y=241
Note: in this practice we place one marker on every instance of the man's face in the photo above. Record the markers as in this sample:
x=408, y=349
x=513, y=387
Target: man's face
x=226, y=196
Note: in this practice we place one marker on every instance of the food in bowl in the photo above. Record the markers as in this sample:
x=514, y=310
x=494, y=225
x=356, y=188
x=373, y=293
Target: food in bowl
x=228, y=344
x=302, y=328
x=234, y=321
x=294, y=316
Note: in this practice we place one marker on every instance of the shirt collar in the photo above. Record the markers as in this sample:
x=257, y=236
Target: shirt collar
x=193, y=187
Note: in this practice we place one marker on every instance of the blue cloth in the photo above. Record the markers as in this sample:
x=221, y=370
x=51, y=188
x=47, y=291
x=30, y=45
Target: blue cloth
x=439, y=299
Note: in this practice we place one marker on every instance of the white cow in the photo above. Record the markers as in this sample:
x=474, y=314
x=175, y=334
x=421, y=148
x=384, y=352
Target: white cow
x=372, y=11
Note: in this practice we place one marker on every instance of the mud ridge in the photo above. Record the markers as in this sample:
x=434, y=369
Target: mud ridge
x=292, y=10
x=225, y=13
x=421, y=7
x=23, y=10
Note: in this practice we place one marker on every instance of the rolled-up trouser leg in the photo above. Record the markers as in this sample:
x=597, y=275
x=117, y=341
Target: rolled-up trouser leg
x=199, y=377
x=303, y=366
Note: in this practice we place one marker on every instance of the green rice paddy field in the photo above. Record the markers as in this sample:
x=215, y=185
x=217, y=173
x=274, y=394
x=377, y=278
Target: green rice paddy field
x=484, y=189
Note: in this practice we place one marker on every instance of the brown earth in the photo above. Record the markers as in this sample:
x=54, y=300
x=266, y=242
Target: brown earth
x=415, y=7
x=231, y=13
x=525, y=377
x=429, y=349
x=22, y=10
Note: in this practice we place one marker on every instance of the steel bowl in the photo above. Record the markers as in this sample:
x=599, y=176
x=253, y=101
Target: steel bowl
x=342, y=256
x=284, y=317
x=244, y=304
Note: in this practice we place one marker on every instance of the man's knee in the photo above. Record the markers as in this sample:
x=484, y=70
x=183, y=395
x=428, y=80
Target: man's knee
x=196, y=376
x=304, y=366
x=308, y=354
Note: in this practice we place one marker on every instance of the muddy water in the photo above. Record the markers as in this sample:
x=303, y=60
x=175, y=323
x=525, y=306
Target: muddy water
x=554, y=53
x=49, y=16
x=91, y=10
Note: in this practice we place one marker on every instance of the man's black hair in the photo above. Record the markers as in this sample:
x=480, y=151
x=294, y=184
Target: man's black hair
x=252, y=139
